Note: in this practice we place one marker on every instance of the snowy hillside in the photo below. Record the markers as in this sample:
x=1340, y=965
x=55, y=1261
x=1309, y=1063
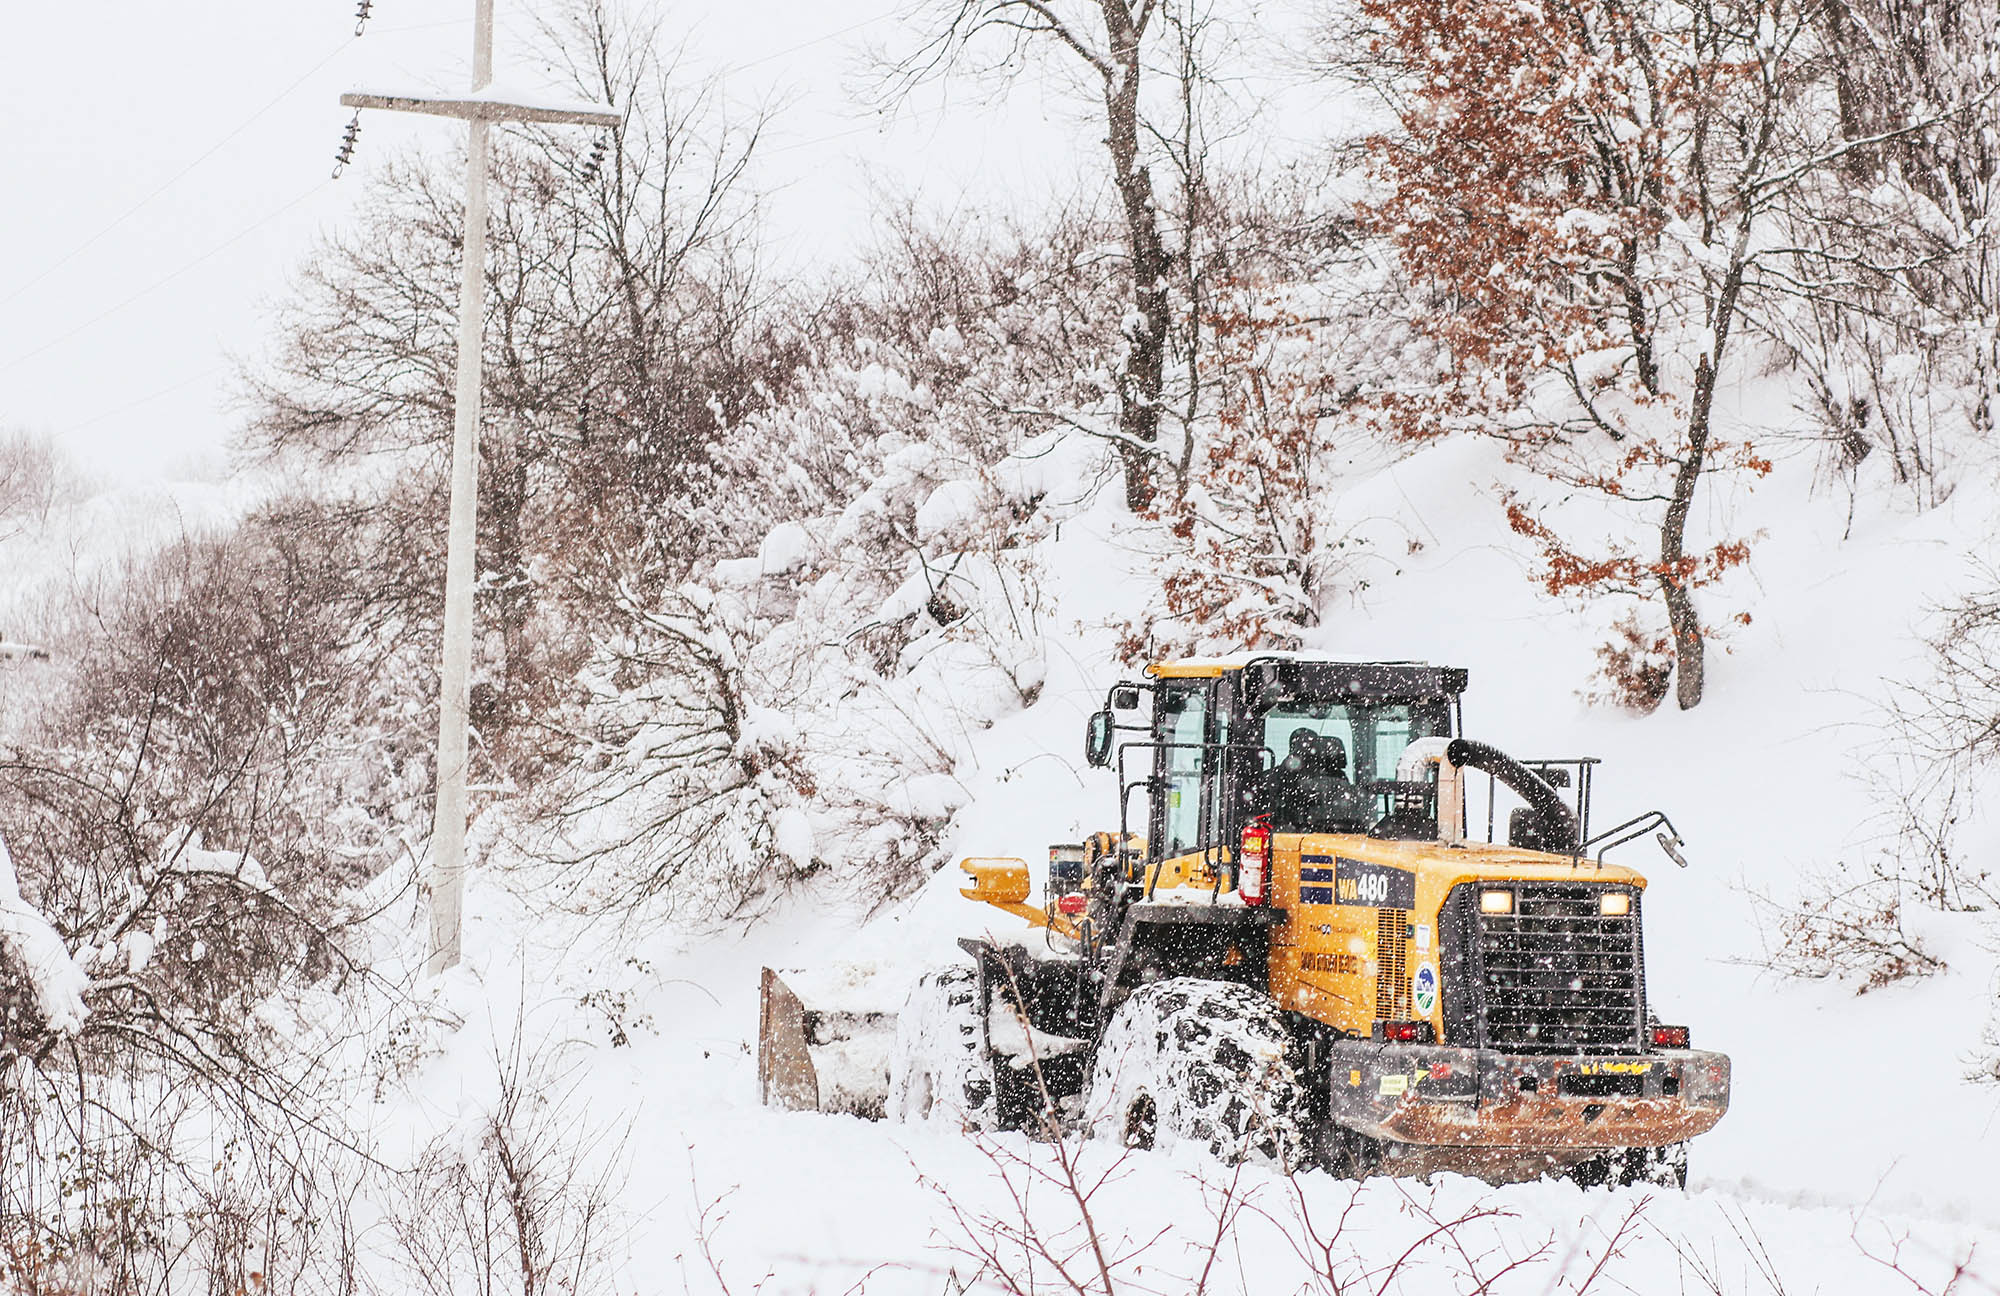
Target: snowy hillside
x=621, y=1052
x=1852, y=1139
x=1640, y=358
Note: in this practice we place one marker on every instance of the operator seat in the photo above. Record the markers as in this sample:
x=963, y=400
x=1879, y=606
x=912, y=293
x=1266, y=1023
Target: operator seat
x=1308, y=791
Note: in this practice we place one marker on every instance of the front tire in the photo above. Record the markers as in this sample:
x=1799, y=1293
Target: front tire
x=940, y=1069
x=1662, y=1167
x=1665, y=1167
x=1189, y=1060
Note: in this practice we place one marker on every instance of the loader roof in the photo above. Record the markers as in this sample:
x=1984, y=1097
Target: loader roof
x=1211, y=667
x=1273, y=675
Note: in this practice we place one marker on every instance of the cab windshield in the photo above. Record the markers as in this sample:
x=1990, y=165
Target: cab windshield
x=1328, y=758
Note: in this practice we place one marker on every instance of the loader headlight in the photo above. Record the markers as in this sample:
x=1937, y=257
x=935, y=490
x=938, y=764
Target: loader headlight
x=1615, y=904
x=1496, y=902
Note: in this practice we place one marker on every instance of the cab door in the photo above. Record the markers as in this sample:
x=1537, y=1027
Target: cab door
x=1181, y=717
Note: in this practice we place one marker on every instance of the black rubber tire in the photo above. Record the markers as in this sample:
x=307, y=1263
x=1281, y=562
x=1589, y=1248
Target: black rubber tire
x=1189, y=1060
x=1662, y=1167
x=1345, y=1153
x=940, y=1069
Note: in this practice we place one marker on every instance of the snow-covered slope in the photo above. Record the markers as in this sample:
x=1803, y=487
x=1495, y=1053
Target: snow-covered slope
x=56, y=568
x=77, y=544
x=1854, y=1145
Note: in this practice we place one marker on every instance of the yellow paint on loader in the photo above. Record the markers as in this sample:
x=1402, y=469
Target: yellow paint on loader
x=1003, y=883
x=1347, y=965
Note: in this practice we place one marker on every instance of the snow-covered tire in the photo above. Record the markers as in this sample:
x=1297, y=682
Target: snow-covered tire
x=1665, y=1167
x=940, y=1069
x=1194, y=1061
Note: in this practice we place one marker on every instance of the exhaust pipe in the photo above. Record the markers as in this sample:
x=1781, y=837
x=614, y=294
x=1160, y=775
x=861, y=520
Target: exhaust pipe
x=1558, y=820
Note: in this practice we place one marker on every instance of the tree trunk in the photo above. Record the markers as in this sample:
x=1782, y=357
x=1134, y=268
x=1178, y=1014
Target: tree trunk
x=504, y=478
x=1690, y=648
x=1851, y=58
x=1145, y=367
x=1676, y=585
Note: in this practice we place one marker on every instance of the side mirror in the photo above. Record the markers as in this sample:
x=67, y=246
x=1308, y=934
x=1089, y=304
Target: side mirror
x=1097, y=740
x=1125, y=697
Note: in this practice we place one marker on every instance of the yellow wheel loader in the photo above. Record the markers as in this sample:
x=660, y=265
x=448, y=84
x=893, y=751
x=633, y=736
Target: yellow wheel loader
x=1303, y=952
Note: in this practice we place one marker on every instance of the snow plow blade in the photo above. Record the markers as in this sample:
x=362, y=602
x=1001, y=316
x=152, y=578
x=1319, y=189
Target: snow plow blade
x=1452, y=1108
x=828, y=1048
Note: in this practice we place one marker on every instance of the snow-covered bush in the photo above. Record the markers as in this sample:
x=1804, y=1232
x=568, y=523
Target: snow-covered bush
x=520, y=1198
x=1850, y=925
x=220, y=763
x=882, y=602
x=1251, y=548
x=35, y=477
x=1939, y=754
x=675, y=796
x=1895, y=310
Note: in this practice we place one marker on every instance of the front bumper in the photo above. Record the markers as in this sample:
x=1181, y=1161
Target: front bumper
x=1436, y=1095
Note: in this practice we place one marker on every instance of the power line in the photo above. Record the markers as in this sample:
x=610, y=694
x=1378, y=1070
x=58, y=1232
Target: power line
x=244, y=233
x=210, y=152
x=817, y=40
x=174, y=179
x=157, y=284
x=118, y=221
x=148, y=399
x=823, y=139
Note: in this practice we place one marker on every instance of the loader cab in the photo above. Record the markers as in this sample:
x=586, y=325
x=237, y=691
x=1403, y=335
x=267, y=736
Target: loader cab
x=1314, y=745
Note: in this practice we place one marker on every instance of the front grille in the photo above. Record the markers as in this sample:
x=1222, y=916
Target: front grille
x=1392, y=968
x=1558, y=977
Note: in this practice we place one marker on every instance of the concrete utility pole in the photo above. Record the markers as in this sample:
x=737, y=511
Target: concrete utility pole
x=481, y=109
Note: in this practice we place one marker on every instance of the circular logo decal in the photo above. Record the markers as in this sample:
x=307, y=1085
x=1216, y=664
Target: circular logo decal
x=1424, y=989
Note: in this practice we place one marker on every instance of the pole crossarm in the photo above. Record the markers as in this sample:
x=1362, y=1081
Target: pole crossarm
x=485, y=108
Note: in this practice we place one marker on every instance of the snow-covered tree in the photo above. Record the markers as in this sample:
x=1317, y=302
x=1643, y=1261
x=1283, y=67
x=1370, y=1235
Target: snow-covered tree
x=1895, y=310
x=1589, y=187
x=1251, y=549
x=1149, y=66
x=622, y=334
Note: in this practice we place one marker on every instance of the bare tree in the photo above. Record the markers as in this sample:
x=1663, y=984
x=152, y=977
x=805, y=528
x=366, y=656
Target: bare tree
x=1252, y=552
x=35, y=476
x=186, y=813
x=1598, y=192
x=532, y=1209
x=622, y=337
x=1120, y=47
x=1895, y=264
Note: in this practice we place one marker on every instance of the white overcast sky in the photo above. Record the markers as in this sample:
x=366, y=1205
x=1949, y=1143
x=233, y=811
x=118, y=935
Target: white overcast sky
x=165, y=172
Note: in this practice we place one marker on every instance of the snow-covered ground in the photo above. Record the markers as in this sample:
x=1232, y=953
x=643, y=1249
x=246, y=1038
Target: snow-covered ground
x=1856, y=1157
